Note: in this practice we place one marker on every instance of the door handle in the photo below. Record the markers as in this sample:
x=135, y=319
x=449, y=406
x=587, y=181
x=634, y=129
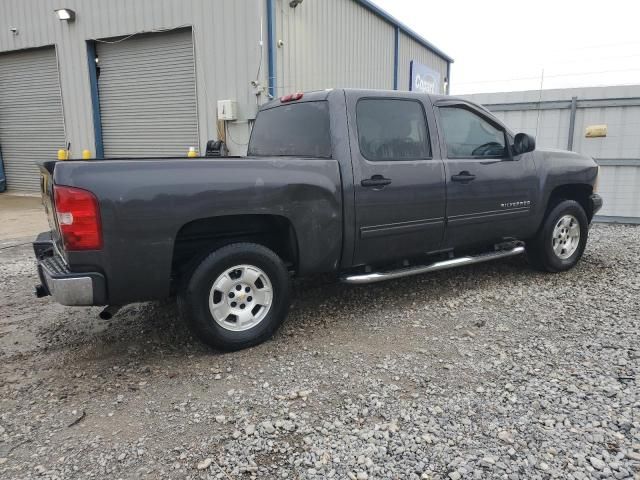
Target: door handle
x=375, y=181
x=464, y=177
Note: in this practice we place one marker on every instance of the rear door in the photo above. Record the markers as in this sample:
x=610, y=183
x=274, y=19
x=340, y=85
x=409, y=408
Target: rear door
x=490, y=194
x=399, y=182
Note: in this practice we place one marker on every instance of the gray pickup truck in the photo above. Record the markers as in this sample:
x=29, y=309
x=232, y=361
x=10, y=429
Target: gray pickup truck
x=368, y=185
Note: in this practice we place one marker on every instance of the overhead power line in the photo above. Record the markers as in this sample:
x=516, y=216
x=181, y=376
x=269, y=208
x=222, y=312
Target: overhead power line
x=591, y=58
x=602, y=45
x=550, y=76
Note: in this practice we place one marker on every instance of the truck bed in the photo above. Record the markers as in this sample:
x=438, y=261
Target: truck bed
x=145, y=204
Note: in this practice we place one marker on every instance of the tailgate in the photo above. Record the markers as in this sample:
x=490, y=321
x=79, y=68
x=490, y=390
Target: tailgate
x=46, y=190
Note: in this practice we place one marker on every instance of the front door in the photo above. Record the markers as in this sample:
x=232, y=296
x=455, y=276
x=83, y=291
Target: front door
x=399, y=182
x=490, y=194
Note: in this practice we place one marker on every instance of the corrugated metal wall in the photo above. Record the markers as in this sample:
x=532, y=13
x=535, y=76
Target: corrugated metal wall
x=326, y=44
x=31, y=124
x=620, y=189
x=618, y=153
x=147, y=91
x=332, y=44
x=227, y=50
x=409, y=50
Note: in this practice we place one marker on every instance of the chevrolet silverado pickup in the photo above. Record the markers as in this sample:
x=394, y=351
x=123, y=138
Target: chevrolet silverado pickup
x=368, y=185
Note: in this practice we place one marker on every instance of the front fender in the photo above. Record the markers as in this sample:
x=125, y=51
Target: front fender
x=565, y=171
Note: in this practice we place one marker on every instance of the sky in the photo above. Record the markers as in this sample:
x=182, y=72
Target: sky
x=501, y=45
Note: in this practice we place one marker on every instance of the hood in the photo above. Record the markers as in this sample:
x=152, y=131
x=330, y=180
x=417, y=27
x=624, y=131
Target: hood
x=557, y=155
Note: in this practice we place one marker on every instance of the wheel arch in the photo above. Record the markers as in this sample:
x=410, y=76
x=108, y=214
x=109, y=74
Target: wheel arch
x=578, y=192
x=199, y=237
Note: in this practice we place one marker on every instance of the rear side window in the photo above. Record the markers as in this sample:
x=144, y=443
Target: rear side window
x=392, y=130
x=295, y=130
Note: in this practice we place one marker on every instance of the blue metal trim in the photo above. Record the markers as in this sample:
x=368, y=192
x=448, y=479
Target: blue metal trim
x=396, y=53
x=385, y=16
x=95, y=100
x=271, y=46
x=411, y=76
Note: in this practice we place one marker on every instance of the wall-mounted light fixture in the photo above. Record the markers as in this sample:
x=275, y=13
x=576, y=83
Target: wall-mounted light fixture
x=294, y=3
x=66, y=15
x=13, y=30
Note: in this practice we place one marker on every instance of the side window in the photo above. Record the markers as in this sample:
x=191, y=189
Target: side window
x=391, y=130
x=468, y=135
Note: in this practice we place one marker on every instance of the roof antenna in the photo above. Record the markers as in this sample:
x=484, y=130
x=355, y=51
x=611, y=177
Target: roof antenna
x=539, y=101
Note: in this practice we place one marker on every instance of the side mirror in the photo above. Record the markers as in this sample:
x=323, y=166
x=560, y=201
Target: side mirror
x=523, y=143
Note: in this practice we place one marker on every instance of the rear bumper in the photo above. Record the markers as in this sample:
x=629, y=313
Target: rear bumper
x=66, y=287
x=596, y=203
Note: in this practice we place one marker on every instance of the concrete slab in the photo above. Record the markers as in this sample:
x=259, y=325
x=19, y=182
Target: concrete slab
x=21, y=217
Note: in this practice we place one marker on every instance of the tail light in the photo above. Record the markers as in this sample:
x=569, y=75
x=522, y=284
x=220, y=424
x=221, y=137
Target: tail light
x=78, y=218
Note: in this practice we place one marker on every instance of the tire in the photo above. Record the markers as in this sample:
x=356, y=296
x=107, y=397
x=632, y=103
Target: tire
x=559, y=254
x=236, y=280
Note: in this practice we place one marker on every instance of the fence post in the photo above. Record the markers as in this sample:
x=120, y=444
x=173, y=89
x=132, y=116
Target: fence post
x=572, y=122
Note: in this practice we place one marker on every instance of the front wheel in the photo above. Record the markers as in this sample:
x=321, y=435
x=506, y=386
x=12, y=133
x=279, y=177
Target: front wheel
x=561, y=241
x=236, y=297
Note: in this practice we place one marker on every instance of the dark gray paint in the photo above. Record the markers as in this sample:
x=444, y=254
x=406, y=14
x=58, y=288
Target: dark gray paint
x=409, y=212
x=144, y=204
x=338, y=223
x=475, y=212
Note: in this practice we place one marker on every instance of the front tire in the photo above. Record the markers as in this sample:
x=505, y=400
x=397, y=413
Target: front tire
x=560, y=242
x=237, y=297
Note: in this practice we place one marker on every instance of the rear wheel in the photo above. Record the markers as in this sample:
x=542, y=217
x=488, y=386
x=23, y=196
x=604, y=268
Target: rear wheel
x=236, y=297
x=562, y=239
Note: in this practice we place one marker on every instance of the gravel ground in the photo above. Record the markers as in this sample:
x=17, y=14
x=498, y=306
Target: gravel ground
x=492, y=371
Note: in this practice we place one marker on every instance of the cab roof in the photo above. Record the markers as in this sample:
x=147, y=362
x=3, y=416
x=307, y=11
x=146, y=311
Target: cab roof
x=320, y=95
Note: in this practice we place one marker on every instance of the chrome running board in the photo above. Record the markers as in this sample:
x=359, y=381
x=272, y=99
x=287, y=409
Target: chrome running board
x=358, y=279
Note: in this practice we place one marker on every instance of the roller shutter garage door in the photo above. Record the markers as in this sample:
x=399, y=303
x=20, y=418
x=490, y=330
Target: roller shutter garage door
x=31, y=119
x=147, y=93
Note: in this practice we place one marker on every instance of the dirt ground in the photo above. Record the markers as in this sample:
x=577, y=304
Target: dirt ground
x=493, y=371
x=20, y=217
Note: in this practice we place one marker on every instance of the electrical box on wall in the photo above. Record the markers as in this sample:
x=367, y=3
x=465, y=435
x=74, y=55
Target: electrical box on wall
x=227, y=110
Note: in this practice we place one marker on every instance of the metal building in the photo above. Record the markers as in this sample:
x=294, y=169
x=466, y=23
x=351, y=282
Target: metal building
x=144, y=78
x=603, y=122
